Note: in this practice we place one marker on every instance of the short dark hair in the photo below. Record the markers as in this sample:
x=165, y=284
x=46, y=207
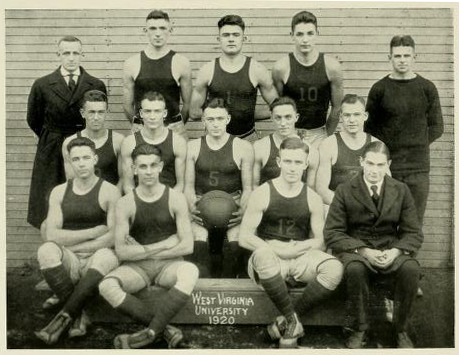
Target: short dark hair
x=283, y=100
x=146, y=149
x=152, y=96
x=402, y=41
x=376, y=147
x=216, y=102
x=294, y=143
x=158, y=14
x=93, y=96
x=68, y=39
x=233, y=20
x=81, y=142
x=304, y=17
x=352, y=99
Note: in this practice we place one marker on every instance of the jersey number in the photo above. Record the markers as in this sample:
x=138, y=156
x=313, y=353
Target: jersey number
x=312, y=94
x=286, y=226
x=213, y=178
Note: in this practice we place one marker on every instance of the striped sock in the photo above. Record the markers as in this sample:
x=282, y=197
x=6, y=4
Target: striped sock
x=170, y=304
x=312, y=294
x=277, y=291
x=59, y=281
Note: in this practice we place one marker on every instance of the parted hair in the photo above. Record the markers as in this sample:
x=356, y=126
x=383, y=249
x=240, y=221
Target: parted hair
x=81, y=142
x=146, y=149
x=158, y=14
x=216, y=102
x=376, y=147
x=304, y=17
x=402, y=41
x=294, y=143
x=68, y=39
x=283, y=100
x=233, y=20
x=152, y=96
x=352, y=99
x=93, y=96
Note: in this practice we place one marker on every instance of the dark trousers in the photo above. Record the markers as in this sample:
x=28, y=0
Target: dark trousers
x=403, y=282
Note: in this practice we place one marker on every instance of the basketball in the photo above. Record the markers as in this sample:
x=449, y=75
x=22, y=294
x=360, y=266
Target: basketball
x=216, y=208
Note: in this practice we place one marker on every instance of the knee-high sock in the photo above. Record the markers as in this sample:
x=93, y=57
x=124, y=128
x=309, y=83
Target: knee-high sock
x=277, y=291
x=59, y=280
x=136, y=309
x=169, y=305
x=232, y=260
x=312, y=295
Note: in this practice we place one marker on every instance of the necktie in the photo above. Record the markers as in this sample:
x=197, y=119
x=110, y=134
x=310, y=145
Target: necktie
x=375, y=196
x=72, y=83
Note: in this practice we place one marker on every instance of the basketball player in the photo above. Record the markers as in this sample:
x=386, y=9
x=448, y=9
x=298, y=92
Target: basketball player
x=79, y=234
x=94, y=108
x=276, y=226
x=312, y=79
x=340, y=153
x=284, y=116
x=160, y=69
x=234, y=77
x=152, y=235
x=173, y=146
x=218, y=161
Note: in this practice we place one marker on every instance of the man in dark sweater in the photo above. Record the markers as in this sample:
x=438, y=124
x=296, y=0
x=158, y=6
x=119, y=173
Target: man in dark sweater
x=405, y=113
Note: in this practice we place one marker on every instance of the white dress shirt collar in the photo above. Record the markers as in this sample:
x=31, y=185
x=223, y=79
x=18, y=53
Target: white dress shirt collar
x=379, y=185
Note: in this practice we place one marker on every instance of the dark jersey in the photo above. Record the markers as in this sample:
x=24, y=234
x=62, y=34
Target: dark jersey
x=240, y=95
x=310, y=87
x=286, y=218
x=167, y=175
x=216, y=169
x=152, y=221
x=107, y=162
x=347, y=163
x=82, y=211
x=156, y=75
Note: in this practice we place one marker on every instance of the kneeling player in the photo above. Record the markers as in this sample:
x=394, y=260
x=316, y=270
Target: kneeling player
x=276, y=226
x=78, y=233
x=152, y=235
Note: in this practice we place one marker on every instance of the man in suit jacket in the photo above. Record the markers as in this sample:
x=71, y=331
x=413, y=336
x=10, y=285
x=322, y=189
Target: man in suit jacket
x=53, y=113
x=372, y=227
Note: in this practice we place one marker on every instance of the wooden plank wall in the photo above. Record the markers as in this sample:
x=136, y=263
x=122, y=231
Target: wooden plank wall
x=357, y=37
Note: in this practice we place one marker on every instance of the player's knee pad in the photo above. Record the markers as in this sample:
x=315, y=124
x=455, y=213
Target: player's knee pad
x=110, y=289
x=49, y=255
x=187, y=276
x=104, y=261
x=329, y=273
x=265, y=263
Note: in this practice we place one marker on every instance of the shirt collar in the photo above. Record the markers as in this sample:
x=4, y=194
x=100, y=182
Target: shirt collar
x=66, y=73
x=379, y=184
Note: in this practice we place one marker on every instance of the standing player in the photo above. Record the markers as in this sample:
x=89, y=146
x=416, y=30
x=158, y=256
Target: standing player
x=79, y=233
x=265, y=167
x=276, y=226
x=94, y=106
x=312, y=79
x=53, y=114
x=340, y=153
x=234, y=77
x=152, y=235
x=405, y=113
x=173, y=146
x=160, y=69
x=218, y=161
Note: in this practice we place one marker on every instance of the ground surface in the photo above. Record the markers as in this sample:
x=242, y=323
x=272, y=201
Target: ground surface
x=432, y=323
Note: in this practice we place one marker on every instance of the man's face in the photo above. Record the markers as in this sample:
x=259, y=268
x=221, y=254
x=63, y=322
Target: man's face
x=147, y=169
x=153, y=113
x=82, y=160
x=158, y=32
x=292, y=163
x=231, y=38
x=304, y=37
x=353, y=117
x=94, y=113
x=375, y=165
x=215, y=121
x=284, y=117
x=69, y=54
x=402, y=59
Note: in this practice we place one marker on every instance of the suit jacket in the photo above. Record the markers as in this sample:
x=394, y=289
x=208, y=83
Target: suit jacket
x=53, y=114
x=353, y=221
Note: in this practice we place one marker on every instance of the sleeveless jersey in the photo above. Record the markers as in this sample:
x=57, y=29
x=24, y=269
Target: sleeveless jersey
x=347, y=162
x=216, y=169
x=286, y=218
x=310, y=88
x=239, y=94
x=167, y=175
x=156, y=75
x=107, y=163
x=152, y=221
x=82, y=211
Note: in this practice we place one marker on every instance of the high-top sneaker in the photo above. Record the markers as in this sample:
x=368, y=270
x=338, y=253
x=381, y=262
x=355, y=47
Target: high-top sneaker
x=173, y=336
x=80, y=326
x=135, y=340
x=50, y=334
x=293, y=332
x=277, y=329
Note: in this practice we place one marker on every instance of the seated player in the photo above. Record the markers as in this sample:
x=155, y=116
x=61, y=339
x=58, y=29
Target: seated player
x=276, y=227
x=172, y=145
x=94, y=107
x=372, y=227
x=218, y=161
x=284, y=116
x=79, y=234
x=152, y=234
x=340, y=153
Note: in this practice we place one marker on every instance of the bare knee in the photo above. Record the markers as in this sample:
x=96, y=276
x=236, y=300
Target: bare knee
x=49, y=255
x=187, y=277
x=330, y=273
x=104, y=261
x=110, y=289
